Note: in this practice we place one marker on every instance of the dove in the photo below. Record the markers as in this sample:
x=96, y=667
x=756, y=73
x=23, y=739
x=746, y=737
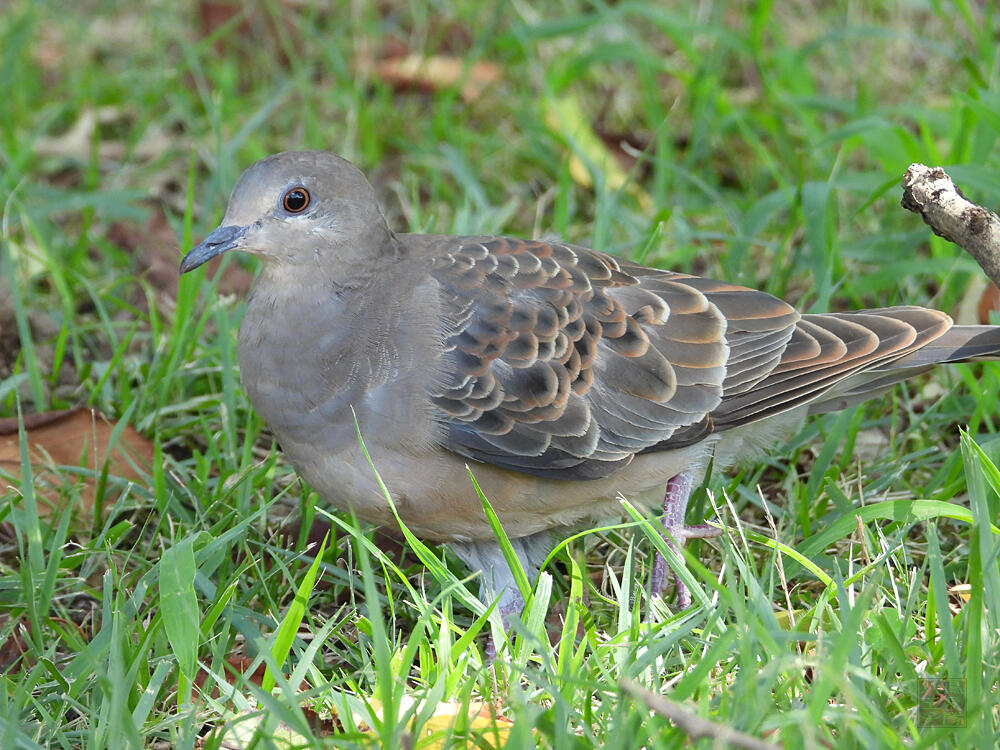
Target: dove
x=561, y=376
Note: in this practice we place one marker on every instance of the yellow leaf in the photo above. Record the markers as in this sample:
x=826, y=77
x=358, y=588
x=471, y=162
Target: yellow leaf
x=566, y=119
x=477, y=717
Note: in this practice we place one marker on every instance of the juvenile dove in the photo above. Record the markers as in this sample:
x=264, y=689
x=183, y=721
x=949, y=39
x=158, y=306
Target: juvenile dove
x=562, y=376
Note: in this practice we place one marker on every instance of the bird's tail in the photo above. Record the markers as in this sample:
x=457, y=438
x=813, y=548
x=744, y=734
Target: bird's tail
x=957, y=344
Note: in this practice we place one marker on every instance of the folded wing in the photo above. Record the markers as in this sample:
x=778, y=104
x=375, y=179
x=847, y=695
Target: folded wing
x=565, y=363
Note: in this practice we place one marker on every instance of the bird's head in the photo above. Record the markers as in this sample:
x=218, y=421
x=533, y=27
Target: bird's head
x=299, y=208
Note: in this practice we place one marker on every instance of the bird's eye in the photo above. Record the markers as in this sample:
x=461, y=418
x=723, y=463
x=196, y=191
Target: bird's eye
x=295, y=200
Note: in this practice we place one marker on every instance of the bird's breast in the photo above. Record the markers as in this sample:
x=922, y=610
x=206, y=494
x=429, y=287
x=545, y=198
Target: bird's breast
x=315, y=362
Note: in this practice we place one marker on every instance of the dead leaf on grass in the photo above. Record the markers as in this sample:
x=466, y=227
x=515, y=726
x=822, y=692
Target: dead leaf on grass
x=565, y=119
x=478, y=718
x=988, y=302
x=72, y=438
x=961, y=592
x=246, y=731
x=14, y=648
x=75, y=144
x=431, y=73
x=10, y=339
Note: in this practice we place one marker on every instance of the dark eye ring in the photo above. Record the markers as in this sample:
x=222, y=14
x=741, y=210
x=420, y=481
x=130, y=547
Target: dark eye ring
x=295, y=200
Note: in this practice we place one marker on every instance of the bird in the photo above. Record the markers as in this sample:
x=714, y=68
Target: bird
x=561, y=377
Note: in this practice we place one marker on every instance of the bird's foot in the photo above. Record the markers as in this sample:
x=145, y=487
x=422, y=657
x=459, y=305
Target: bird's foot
x=676, y=538
x=497, y=579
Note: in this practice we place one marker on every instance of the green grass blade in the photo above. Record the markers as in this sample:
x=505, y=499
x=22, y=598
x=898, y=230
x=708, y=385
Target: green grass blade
x=179, y=610
x=513, y=561
x=284, y=637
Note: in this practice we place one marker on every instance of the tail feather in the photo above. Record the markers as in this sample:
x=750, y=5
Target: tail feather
x=840, y=350
x=957, y=344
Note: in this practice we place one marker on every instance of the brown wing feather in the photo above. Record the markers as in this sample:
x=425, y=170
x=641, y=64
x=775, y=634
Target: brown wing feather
x=565, y=362
x=848, y=343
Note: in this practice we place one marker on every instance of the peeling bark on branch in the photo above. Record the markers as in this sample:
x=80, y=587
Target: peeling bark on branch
x=930, y=192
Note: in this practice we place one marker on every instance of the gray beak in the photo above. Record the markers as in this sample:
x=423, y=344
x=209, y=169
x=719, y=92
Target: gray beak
x=220, y=240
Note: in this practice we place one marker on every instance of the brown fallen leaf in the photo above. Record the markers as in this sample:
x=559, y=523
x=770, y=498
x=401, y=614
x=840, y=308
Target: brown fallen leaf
x=10, y=339
x=237, y=668
x=16, y=653
x=14, y=648
x=213, y=15
x=270, y=31
x=436, y=73
x=71, y=438
x=962, y=591
x=988, y=302
x=627, y=149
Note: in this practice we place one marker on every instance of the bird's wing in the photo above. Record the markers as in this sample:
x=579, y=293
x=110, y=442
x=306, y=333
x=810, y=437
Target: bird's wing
x=564, y=362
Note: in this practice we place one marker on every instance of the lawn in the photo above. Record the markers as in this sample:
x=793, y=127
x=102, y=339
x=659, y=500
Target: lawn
x=160, y=566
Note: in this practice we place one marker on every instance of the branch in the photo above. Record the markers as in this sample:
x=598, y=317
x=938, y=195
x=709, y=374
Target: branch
x=690, y=723
x=930, y=192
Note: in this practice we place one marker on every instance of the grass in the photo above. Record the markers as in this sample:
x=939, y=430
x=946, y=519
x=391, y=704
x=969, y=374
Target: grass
x=764, y=145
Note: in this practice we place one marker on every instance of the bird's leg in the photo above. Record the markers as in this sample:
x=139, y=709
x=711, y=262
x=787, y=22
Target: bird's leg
x=497, y=580
x=510, y=605
x=675, y=501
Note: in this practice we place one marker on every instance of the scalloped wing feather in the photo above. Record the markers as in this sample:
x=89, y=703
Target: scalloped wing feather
x=565, y=362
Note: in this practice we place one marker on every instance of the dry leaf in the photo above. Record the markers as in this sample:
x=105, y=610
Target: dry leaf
x=962, y=590
x=212, y=15
x=76, y=437
x=75, y=144
x=988, y=302
x=252, y=27
x=242, y=732
x=238, y=670
x=565, y=118
x=14, y=648
x=478, y=717
x=438, y=72
x=10, y=339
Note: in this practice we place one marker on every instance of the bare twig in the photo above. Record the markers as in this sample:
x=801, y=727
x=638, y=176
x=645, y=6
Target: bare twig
x=690, y=723
x=930, y=192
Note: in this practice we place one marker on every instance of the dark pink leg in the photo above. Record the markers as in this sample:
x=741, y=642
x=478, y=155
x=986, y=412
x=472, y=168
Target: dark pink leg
x=675, y=501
